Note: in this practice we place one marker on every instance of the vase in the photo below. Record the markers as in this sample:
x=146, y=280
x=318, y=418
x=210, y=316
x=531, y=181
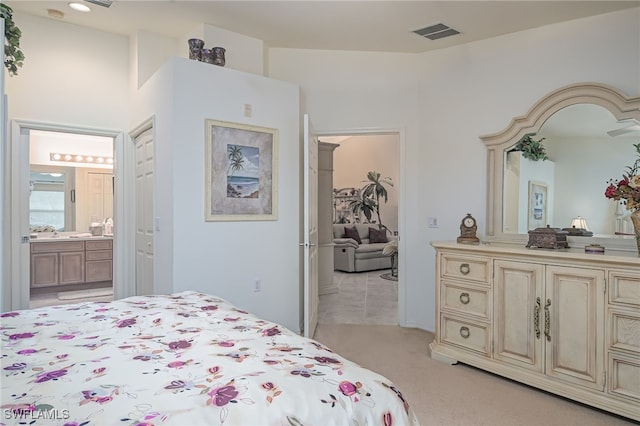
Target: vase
x=635, y=219
x=218, y=56
x=195, y=48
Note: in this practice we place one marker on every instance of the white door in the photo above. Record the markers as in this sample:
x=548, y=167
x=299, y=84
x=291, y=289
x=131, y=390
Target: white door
x=310, y=243
x=144, y=212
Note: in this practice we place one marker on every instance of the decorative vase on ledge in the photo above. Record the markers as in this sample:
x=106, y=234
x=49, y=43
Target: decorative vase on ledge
x=195, y=48
x=635, y=219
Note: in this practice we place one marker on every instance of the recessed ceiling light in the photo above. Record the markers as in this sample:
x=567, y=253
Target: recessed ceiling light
x=79, y=7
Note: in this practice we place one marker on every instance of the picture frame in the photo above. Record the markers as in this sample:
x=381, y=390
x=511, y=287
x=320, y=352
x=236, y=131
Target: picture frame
x=537, y=206
x=241, y=172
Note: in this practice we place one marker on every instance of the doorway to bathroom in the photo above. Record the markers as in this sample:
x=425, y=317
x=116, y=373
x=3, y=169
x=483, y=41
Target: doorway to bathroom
x=63, y=223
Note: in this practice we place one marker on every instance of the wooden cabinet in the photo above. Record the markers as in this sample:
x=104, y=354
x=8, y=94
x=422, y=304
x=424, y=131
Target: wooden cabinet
x=56, y=263
x=99, y=256
x=550, y=319
x=560, y=320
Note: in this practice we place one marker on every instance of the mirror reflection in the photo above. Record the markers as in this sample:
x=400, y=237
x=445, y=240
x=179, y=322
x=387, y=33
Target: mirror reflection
x=586, y=147
x=71, y=181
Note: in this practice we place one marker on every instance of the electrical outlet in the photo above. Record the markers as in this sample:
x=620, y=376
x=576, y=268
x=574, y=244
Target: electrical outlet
x=432, y=222
x=248, y=110
x=257, y=286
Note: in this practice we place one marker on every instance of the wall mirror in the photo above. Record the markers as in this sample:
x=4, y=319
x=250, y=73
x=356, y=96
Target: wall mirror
x=589, y=130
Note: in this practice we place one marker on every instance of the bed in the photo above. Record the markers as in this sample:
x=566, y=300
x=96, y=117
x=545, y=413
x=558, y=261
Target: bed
x=182, y=359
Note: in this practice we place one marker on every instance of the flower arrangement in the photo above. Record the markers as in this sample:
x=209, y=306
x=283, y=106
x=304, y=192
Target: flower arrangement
x=627, y=189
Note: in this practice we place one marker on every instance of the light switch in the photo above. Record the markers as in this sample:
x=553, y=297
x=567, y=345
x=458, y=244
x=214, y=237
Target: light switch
x=432, y=222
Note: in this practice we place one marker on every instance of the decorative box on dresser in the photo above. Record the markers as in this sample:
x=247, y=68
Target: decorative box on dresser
x=560, y=320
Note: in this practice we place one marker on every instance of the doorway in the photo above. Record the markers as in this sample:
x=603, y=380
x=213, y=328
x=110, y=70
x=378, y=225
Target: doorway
x=368, y=297
x=41, y=154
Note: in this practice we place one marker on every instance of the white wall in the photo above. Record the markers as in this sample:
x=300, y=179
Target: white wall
x=72, y=75
x=224, y=258
x=444, y=100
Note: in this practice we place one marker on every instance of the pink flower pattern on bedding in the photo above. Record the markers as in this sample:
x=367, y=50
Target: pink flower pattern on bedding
x=182, y=359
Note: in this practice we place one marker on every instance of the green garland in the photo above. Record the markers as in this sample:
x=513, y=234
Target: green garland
x=531, y=149
x=13, y=56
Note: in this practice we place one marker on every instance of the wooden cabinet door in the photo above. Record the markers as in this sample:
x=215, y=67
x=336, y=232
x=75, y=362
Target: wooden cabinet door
x=517, y=325
x=575, y=311
x=71, y=267
x=44, y=269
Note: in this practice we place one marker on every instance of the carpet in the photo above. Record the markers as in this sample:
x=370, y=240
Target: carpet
x=83, y=294
x=388, y=276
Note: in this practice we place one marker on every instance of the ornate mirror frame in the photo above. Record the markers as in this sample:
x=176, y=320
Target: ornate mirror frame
x=620, y=105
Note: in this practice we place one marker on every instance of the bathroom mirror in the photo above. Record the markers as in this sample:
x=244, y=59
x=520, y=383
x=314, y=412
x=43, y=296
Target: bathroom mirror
x=574, y=122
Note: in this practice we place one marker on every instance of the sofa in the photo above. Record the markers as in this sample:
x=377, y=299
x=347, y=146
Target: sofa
x=359, y=252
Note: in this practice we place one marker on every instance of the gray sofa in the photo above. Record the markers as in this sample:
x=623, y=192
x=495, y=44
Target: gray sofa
x=351, y=256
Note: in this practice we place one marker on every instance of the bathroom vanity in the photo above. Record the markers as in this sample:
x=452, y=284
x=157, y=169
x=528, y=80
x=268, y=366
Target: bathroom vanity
x=69, y=261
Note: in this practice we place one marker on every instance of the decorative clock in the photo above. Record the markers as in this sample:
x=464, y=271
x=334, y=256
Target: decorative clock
x=468, y=230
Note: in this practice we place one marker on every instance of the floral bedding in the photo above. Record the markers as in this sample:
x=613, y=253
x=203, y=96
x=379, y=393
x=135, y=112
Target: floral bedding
x=183, y=359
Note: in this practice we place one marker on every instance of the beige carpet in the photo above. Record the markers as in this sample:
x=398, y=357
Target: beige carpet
x=453, y=395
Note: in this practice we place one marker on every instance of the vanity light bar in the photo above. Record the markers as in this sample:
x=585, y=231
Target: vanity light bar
x=79, y=158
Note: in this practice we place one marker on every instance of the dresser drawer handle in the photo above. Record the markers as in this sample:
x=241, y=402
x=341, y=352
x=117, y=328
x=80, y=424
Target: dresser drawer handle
x=464, y=268
x=464, y=332
x=464, y=298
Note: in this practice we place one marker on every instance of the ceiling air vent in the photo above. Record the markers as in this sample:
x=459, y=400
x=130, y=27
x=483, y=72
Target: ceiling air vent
x=103, y=3
x=434, y=32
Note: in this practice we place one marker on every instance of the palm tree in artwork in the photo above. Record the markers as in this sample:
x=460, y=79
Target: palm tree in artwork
x=236, y=159
x=375, y=190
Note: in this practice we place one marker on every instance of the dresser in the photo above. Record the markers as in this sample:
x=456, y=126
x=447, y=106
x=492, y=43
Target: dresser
x=559, y=320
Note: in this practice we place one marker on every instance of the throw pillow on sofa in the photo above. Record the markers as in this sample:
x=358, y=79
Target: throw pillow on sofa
x=377, y=235
x=352, y=233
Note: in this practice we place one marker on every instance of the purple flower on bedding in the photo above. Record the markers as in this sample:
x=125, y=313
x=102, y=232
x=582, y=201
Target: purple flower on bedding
x=20, y=336
x=326, y=360
x=142, y=357
x=99, y=370
x=180, y=344
x=268, y=386
x=50, y=375
x=302, y=372
x=226, y=344
x=209, y=308
x=178, y=364
x=62, y=356
x=223, y=395
x=9, y=314
x=16, y=366
x=66, y=337
x=128, y=322
x=347, y=388
x=273, y=331
x=387, y=419
x=27, y=352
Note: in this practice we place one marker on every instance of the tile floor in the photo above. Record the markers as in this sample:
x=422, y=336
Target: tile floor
x=362, y=298
x=48, y=299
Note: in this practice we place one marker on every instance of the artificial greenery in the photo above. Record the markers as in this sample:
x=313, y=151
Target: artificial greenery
x=13, y=56
x=370, y=195
x=531, y=149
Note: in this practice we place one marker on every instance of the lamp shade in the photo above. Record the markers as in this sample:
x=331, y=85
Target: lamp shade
x=579, y=223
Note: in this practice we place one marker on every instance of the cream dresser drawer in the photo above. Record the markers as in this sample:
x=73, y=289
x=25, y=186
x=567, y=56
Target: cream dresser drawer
x=624, y=373
x=466, y=300
x=465, y=334
x=624, y=331
x=100, y=245
x=99, y=255
x=476, y=269
x=624, y=288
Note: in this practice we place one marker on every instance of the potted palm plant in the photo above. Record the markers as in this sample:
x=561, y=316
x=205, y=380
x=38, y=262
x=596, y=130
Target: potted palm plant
x=13, y=56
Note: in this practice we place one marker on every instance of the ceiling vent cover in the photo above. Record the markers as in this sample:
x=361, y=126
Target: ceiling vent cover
x=434, y=32
x=103, y=3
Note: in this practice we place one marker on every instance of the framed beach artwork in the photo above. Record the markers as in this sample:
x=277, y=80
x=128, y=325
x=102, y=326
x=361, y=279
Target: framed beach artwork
x=241, y=177
x=537, y=209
